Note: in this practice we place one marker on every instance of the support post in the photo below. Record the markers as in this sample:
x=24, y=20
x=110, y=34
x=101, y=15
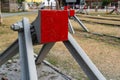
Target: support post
x=79, y=55
x=82, y=25
x=43, y=52
x=83, y=60
x=71, y=27
x=28, y=68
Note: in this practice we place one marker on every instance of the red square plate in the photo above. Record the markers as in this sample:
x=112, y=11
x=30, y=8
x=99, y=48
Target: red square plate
x=53, y=25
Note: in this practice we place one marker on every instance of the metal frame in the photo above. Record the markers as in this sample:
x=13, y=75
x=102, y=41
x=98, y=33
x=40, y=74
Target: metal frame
x=28, y=68
x=80, y=56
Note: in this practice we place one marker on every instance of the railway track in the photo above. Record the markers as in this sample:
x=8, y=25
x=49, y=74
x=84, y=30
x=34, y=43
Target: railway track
x=66, y=77
x=100, y=20
x=100, y=37
x=109, y=24
x=111, y=31
x=99, y=34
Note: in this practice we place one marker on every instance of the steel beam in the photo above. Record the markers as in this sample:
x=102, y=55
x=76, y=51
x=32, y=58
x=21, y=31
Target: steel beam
x=43, y=52
x=80, y=22
x=71, y=27
x=83, y=60
x=11, y=51
x=28, y=68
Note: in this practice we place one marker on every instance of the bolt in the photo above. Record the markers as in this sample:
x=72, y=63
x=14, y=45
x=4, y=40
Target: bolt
x=17, y=26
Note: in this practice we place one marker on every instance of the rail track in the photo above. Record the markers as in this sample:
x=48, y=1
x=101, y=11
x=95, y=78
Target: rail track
x=100, y=37
x=99, y=34
x=112, y=28
x=100, y=17
x=66, y=77
x=101, y=20
x=117, y=25
x=103, y=35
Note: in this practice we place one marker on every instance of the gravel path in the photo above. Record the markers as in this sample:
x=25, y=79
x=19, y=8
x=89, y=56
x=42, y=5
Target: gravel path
x=11, y=71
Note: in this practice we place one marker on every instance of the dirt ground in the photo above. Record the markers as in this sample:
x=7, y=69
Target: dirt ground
x=103, y=51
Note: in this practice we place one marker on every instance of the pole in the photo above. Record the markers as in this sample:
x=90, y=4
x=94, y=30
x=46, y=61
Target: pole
x=96, y=8
x=48, y=4
x=0, y=14
x=26, y=53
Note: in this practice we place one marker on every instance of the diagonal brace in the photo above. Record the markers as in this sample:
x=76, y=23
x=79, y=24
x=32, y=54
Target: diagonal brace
x=83, y=60
x=43, y=52
x=80, y=22
x=70, y=27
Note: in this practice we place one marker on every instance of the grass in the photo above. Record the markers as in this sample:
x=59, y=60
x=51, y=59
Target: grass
x=102, y=21
x=102, y=14
x=100, y=28
x=105, y=55
x=7, y=36
x=99, y=17
x=109, y=30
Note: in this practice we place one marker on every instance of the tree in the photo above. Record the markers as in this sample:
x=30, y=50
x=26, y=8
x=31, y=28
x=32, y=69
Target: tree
x=106, y=2
x=20, y=1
